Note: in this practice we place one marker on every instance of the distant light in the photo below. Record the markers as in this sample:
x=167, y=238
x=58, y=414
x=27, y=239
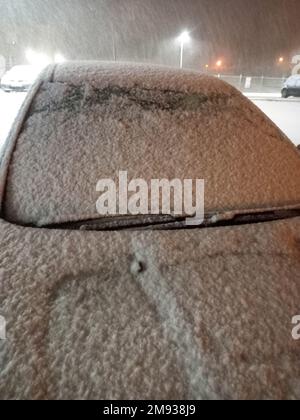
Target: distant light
x=281, y=60
x=30, y=55
x=206, y=66
x=184, y=38
x=39, y=60
x=219, y=63
x=59, y=58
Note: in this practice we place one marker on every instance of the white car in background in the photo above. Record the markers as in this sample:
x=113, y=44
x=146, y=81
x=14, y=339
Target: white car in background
x=19, y=78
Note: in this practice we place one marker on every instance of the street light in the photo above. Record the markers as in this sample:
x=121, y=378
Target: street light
x=219, y=63
x=59, y=58
x=184, y=38
x=39, y=60
x=281, y=60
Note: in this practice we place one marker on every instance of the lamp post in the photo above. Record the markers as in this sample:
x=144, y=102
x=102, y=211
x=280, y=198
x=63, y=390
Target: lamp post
x=183, y=39
x=281, y=65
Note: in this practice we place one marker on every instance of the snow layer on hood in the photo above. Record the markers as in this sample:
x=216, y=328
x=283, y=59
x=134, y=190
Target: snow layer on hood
x=89, y=121
x=150, y=315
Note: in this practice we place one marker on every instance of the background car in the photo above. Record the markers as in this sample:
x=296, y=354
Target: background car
x=291, y=87
x=112, y=308
x=19, y=78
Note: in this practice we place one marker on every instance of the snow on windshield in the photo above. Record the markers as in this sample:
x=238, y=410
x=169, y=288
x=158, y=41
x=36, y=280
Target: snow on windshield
x=90, y=121
x=253, y=48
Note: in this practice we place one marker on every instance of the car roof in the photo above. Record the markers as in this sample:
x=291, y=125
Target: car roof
x=87, y=121
x=295, y=76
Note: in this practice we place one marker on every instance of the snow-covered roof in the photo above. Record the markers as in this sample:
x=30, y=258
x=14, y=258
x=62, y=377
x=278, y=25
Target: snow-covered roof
x=87, y=121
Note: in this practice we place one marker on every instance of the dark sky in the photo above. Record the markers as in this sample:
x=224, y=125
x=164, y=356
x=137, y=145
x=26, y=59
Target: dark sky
x=249, y=35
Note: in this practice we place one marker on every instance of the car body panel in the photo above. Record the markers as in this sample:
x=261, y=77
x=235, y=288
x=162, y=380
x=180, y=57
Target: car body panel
x=150, y=315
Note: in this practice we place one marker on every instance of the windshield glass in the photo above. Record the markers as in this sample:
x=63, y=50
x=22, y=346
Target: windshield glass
x=94, y=122
x=256, y=49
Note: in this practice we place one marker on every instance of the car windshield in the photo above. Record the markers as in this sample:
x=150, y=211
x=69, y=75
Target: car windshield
x=90, y=122
x=18, y=70
x=255, y=49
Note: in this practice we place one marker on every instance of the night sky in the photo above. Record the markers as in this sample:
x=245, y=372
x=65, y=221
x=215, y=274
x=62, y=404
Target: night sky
x=249, y=35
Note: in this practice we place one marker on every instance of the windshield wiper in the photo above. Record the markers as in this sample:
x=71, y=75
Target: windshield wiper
x=121, y=222
x=169, y=222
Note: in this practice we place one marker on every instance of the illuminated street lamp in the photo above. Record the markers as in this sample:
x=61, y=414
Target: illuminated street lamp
x=183, y=39
x=281, y=60
x=59, y=58
x=38, y=60
x=219, y=63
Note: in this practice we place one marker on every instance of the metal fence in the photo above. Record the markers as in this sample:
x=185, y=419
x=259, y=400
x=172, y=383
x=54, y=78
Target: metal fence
x=254, y=84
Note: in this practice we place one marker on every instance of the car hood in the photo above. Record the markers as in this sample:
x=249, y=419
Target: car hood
x=150, y=315
x=15, y=79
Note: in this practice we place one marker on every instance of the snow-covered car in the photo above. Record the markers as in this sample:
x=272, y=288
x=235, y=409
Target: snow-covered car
x=291, y=87
x=126, y=308
x=19, y=78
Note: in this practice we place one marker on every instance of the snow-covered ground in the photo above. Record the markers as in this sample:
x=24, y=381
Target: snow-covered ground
x=10, y=104
x=285, y=113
